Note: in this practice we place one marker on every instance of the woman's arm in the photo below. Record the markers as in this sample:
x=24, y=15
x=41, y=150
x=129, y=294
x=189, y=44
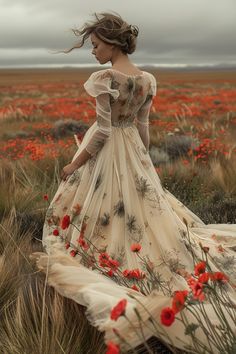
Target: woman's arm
x=99, y=137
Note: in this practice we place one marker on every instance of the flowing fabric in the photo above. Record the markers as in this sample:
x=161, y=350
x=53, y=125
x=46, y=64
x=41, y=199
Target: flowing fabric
x=115, y=200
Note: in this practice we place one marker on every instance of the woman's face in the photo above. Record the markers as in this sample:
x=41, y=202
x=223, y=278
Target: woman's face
x=101, y=50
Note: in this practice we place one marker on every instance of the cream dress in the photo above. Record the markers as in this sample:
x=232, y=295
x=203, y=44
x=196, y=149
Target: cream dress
x=118, y=195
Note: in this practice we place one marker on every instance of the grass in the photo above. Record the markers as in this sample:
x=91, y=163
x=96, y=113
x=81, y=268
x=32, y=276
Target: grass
x=24, y=327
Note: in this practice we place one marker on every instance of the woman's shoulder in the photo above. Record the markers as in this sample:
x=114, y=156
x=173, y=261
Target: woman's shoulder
x=101, y=74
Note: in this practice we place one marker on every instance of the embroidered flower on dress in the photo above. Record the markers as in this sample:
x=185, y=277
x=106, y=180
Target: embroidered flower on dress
x=119, y=209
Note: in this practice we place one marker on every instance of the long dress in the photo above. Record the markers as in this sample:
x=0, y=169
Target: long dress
x=116, y=200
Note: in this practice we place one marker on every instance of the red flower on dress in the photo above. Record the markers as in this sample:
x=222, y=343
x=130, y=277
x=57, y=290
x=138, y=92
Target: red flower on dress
x=77, y=208
x=112, y=348
x=133, y=274
x=83, y=243
x=118, y=310
x=65, y=222
x=45, y=197
x=179, y=300
x=55, y=232
x=204, y=277
x=67, y=245
x=112, y=263
x=135, y=247
x=134, y=287
x=73, y=253
x=110, y=273
x=220, y=249
x=126, y=273
x=197, y=289
x=204, y=248
x=103, y=259
x=83, y=228
x=219, y=276
x=167, y=316
x=200, y=268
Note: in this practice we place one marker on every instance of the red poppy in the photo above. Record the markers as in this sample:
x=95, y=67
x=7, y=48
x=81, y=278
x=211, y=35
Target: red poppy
x=67, y=245
x=204, y=277
x=65, y=222
x=167, y=316
x=110, y=273
x=133, y=274
x=45, y=197
x=137, y=274
x=197, y=289
x=200, y=268
x=55, y=232
x=103, y=259
x=112, y=348
x=113, y=264
x=135, y=247
x=126, y=273
x=73, y=253
x=83, y=244
x=179, y=300
x=134, y=287
x=219, y=276
x=118, y=310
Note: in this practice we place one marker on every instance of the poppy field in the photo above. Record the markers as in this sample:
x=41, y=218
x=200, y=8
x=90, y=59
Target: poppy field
x=192, y=131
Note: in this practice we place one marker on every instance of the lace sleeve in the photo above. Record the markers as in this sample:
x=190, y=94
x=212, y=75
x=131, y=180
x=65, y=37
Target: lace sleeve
x=99, y=86
x=143, y=113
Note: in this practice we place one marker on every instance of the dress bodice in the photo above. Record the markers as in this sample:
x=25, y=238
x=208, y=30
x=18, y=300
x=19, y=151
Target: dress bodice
x=121, y=100
x=127, y=92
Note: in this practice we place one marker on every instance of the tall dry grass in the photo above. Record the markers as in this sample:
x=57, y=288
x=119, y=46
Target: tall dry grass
x=33, y=317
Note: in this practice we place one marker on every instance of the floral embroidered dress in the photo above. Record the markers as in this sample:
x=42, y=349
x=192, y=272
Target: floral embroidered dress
x=116, y=200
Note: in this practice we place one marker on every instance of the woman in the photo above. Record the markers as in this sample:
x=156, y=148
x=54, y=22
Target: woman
x=111, y=201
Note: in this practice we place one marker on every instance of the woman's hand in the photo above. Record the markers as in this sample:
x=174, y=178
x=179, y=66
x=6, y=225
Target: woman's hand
x=68, y=170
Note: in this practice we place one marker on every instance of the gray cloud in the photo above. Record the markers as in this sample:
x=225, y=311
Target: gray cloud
x=171, y=31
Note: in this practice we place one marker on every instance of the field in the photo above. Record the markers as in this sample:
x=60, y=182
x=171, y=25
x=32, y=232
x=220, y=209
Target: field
x=192, y=145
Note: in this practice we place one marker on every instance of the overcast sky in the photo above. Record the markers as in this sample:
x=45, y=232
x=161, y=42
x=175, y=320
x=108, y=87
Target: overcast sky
x=171, y=31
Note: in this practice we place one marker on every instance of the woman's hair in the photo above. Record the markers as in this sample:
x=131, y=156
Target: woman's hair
x=111, y=29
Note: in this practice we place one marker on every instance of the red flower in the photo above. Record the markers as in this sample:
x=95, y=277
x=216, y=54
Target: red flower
x=135, y=247
x=167, y=316
x=112, y=263
x=126, y=273
x=77, y=208
x=112, y=348
x=55, y=232
x=179, y=300
x=134, y=287
x=204, y=277
x=110, y=273
x=83, y=243
x=200, y=268
x=45, y=197
x=218, y=276
x=103, y=259
x=197, y=289
x=73, y=253
x=83, y=228
x=133, y=274
x=67, y=245
x=118, y=310
x=65, y=222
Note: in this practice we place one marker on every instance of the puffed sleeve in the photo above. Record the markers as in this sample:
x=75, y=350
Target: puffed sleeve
x=143, y=113
x=99, y=86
